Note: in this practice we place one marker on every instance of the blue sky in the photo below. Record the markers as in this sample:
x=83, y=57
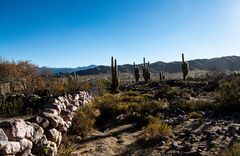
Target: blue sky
x=71, y=33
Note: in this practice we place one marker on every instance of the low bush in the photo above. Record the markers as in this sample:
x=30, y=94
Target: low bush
x=195, y=105
x=83, y=121
x=156, y=129
x=229, y=95
x=111, y=106
x=12, y=105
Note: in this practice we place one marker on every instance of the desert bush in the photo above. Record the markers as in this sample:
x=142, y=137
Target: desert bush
x=187, y=92
x=156, y=129
x=229, y=95
x=111, y=106
x=195, y=115
x=174, y=91
x=195, y=105
x=57, y=87
x=83, y=121
x=11, y=105
x=107, y=105
x=233, y=151
x=133, y=106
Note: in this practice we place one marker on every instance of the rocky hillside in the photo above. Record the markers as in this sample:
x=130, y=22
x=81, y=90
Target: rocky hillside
x=228, y=63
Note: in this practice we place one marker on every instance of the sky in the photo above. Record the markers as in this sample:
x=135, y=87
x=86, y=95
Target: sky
x=72, y=33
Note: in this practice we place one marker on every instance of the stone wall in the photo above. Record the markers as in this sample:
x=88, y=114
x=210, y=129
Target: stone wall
x=41, y=134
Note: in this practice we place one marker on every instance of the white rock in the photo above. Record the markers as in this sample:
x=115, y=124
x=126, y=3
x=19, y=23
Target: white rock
x=54, y=135
x=17, y=129
x=9, y=147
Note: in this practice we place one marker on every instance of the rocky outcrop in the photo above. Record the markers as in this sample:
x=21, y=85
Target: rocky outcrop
x=41, y=134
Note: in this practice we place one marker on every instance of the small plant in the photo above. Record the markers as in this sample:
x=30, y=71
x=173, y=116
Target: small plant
x=233, y=151
x=156, y=129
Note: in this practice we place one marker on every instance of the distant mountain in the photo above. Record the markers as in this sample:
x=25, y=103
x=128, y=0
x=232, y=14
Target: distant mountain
x=227, y=63
x=66, y=70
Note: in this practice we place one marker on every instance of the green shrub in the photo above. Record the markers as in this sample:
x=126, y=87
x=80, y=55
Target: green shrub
x=229, y=95
x=156, y=129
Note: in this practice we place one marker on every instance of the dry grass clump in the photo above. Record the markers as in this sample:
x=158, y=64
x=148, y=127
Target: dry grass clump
x=156, y=129
x=233, y=151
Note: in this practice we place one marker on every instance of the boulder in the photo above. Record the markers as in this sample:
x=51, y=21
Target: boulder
x=45, y=147
x=53, y=106
x=75, y=103
x=72, y=108
x=17, y=129
x=52, y=111
x=37, y=133
x=25, y=147
x=9, y=147
x=61, y=99
x=54, y=120
x=67, y=115
x=53, y=100
x=54, y=135
x=3, y=136
x=50, y=148
x=76, y=97
x=43, y=122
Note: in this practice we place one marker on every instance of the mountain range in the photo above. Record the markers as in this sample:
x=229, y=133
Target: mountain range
x=227, y=63
x=56, y=71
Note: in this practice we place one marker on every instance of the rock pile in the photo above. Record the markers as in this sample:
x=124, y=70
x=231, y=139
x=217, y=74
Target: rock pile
x=42, y=134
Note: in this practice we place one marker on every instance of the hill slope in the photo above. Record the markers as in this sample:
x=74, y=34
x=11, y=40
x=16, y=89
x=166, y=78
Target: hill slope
x=228, y=63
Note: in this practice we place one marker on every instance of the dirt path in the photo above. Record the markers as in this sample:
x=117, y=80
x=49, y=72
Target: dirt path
x=113, y=141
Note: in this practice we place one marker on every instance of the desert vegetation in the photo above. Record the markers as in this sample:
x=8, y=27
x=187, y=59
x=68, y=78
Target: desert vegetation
x=24, y=88
x=165, y=116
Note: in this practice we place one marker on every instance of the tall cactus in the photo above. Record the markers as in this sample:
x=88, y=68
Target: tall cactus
x=115, y=75
x=136, y=72
x=146, y=70
x=161, y=76
x=185, y=68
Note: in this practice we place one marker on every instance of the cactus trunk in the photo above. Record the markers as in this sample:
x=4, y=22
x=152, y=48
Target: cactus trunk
x=146, y=71
x=185, y=68
x=136, y=72
x=115, y=75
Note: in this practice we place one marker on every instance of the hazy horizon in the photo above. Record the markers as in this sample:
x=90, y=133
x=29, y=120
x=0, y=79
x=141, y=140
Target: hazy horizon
x=80, y=33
